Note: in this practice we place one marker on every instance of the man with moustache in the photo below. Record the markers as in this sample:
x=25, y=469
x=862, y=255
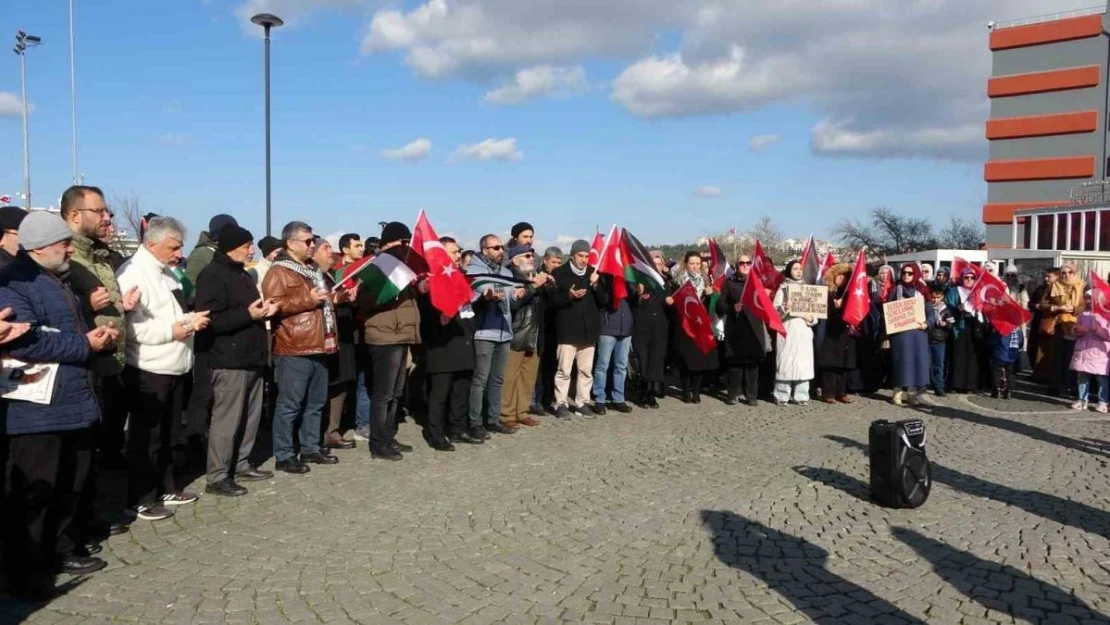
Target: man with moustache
x=525, y=348
x=491, y=340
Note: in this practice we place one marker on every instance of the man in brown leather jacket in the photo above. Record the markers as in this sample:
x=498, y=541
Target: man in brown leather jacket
x=305, y=332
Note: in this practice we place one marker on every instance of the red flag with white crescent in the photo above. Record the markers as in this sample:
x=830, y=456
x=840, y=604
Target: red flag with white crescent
x=1100, y=295
x=694, y=318
x=755, y=299
x=857, y=302
x=958, y=266
x=447, y=286
x=595, y=250
x=612, y=264
x=989, y=297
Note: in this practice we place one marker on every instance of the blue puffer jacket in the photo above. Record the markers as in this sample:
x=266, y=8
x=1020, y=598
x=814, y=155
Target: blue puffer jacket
x=495, y=319
x=57, y=336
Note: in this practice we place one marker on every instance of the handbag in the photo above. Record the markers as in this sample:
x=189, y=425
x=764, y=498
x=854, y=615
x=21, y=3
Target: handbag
x=1047, y=326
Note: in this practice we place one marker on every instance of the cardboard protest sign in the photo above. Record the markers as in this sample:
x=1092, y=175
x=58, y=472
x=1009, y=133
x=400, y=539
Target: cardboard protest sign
x=807, y=299
x=904, y=314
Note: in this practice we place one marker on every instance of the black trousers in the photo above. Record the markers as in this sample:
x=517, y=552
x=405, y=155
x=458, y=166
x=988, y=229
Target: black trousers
x=448, y=404
x=649, y=342
x=743, y=379
x=113, y=408
x=45, y=476
x=691, y=380
x=834, y=382
x=198, y=401
x=156, y=404
x=386, y=383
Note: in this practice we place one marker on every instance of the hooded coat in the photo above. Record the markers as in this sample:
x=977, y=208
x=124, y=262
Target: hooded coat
x=838, y=350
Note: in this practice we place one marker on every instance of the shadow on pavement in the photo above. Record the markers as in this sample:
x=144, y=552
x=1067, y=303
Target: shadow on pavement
x=1016, y=427
x=14, y=610
x=796, y=569
x=1052, y=507
x=997, y=586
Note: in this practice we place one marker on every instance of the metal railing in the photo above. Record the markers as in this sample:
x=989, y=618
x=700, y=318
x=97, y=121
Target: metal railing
x=1048, y=17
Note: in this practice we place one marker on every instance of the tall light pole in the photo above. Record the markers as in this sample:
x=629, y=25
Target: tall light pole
x=267, y=21
x=73, y=94
x=22, y=42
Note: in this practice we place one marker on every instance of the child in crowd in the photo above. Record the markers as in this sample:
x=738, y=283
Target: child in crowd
x=1004, y=352
x=939, y=334
x=1092, y=357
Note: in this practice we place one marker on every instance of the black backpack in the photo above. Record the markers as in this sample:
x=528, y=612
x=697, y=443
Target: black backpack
x=901, y=475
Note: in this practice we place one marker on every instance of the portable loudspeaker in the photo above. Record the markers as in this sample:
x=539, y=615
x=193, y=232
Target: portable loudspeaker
x=901, y=476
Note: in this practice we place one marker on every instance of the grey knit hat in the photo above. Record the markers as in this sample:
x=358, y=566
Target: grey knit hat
x=40, y=229
x=581, y=245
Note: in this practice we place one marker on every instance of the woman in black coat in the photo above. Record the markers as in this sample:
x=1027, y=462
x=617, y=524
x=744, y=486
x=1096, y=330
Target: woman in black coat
x=649, y=335
x=692, y=362
x=838, y=351
x=746, y=342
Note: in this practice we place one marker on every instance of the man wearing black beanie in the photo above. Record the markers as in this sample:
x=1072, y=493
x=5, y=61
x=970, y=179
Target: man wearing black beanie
x=237, y=356
x=522, y=235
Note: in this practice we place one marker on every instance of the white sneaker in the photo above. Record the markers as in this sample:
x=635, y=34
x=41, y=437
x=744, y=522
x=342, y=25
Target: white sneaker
x=179, y=499
x=1079, y=404
x=362, y=434
x=897, y=399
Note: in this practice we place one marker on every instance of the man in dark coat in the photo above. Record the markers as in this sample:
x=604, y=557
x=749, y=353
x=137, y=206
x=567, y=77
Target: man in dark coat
x=577, y=328
x=526, y=347
x=10, y=218
x=649, y=335
x=237, y=354
x=448, y=346
x=746, y=340
x=51, y=444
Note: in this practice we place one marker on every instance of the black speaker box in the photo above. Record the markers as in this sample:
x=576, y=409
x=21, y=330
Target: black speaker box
x=901, y=475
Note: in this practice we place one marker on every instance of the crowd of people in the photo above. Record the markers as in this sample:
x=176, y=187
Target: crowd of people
x=145, y=364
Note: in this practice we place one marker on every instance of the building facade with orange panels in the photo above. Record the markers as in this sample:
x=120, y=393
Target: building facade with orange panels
x=1047, y=129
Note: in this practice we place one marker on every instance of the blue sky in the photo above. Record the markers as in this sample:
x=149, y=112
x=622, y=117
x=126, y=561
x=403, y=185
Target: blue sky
x=170, y=109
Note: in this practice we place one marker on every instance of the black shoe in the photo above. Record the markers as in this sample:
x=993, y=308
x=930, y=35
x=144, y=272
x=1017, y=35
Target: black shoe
x=442, y=446
x=599, y=409
x=115, y=529
x=563, y=413
x=537, y=411
x=479, y=433
x=292, y=465
x=753, y=402
x=499, y=428
x=687, y=397
x=339, y=444
x=77, y=565
x=401, y=447
x=225, y=488
x=994, y=394
x=621, y=407
x=254, y=474
x=652, y=403
x=696, y=397
x=318, y=458
x=939, y=392
x=464, y=439
x=390, y=454
x=731, y=401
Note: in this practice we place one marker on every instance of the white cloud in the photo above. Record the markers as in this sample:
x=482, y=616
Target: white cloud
x=538, y=81
x=759, y=142
x=882, y=78
x=489, y=150
x=11, y=105
x=416, y=150
x=709, y=191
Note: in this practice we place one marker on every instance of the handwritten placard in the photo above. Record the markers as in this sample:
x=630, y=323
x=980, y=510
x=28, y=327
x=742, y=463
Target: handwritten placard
x=807, y=299
x=904, y=314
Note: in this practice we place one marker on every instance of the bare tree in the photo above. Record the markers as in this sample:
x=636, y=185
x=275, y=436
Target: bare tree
x=961, y=234
x=888, y=233
x=767, y=233
x=128, y=214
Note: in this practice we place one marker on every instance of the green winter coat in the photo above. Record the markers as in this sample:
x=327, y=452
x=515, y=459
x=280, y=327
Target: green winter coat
x=90, y=267
x=200, y=257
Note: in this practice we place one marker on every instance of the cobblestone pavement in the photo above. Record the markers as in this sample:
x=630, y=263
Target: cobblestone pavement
x=682, y=515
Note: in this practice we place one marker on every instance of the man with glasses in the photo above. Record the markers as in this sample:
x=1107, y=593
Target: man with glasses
x=527, y=344
x=493, y=310
x=10, y=218
x=305, y=332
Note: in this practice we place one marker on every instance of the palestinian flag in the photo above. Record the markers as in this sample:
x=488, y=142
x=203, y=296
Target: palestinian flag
x=719, y=270
x=383, y=278
x=639, y=268
x=811, y=267
x=482, y=281
x=344, y=275
x=613, y=264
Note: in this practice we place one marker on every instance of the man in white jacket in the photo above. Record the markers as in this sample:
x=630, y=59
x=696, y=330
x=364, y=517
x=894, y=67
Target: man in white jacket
x=158, y=359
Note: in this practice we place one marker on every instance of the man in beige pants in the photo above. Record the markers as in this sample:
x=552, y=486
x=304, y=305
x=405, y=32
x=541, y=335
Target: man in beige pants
x=577, y=304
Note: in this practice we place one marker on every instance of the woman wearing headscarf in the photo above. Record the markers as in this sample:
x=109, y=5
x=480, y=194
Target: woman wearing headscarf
x=909, y=350
x=746, y=340
x=693, y=364
x=794, y=356
x=872, y=346
x=649, y=335
x=838, y=351
x=942, y=278
x=1067, y=300
x=969, y=335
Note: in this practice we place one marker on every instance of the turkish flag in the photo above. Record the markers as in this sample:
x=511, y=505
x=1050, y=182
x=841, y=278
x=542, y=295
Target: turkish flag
x=755, y=299
x=811, y=268
x=958, y=266
x=989, y=296
x=762, y=266
x=856, y=301
x=694, y=318
x=595, y=250
x=826, y=264
x=1100, y=295
x=612, y=263
x=447, y=286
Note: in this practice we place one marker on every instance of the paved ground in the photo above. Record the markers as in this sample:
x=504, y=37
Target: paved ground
x=707, y=515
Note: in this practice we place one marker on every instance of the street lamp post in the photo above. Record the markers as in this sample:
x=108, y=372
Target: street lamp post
x=22, y=42
x=267, y=21
x=73, y=93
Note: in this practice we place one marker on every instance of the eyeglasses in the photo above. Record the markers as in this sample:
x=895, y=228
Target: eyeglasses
x=907, y=273
x=311, y=241
x=969, y=277
x=743, y=262
x=496, y=248
x=98, y=211
x=1067, y=272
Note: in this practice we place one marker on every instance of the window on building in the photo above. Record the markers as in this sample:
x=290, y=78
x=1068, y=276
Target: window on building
x=1044, y=231
x=1026, y=225
x=1090, y=220
x=1103, y=231
x=1061, y=231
